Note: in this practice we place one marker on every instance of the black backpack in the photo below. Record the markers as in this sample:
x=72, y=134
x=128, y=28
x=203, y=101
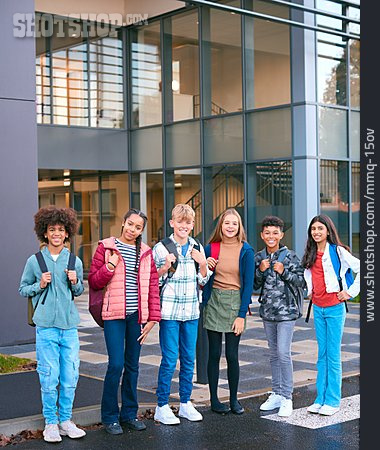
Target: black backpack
x=43, y=267
x=172, y=248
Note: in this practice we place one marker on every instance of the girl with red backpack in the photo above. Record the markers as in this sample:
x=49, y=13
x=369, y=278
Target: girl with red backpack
x=226, y=298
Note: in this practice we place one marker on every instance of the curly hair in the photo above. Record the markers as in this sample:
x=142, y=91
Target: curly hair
x=52, y=215
x=272, y=221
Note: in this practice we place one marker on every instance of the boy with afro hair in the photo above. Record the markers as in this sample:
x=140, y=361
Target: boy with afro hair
x=56, y=319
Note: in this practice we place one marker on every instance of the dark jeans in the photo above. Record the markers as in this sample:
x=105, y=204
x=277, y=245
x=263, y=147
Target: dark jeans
x=123, y=353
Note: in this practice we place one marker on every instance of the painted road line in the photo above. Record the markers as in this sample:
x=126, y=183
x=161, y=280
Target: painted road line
x=349, y=410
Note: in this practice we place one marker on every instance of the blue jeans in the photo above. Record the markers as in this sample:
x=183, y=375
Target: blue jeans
x=177, y=337
x=329, y=324
x=279, y=336
x=57, y=363
x=123, y=353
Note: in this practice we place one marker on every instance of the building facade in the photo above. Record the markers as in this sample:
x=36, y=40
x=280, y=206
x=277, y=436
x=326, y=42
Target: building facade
x=243, y=103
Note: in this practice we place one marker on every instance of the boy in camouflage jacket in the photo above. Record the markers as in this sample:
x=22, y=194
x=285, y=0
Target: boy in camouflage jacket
x=278, y=274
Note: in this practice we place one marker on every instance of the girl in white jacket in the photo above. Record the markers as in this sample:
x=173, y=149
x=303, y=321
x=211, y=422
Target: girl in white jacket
x=328, y=306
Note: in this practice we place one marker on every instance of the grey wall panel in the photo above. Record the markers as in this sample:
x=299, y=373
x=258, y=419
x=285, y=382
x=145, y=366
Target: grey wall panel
x=81, y=148
x=18, y=203
x=17, y=54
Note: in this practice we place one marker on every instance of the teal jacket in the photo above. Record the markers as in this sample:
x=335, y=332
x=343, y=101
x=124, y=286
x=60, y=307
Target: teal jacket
x=58, y=309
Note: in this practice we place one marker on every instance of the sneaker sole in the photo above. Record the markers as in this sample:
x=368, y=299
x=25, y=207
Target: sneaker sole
x=63, y=433
x=191, y=420
x=52, y=440
x=269, y=409
x=167, y=423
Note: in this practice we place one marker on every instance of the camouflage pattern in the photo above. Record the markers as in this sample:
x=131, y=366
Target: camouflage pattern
x=277, y=302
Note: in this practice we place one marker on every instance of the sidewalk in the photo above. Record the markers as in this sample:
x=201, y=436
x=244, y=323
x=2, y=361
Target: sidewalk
x=254, y=374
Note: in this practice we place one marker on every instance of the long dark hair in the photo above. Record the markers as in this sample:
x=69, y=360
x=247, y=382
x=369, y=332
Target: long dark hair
x=310, y=254
x=139, y=237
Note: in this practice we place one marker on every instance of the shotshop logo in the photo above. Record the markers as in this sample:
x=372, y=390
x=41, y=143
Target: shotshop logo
x=75, y=25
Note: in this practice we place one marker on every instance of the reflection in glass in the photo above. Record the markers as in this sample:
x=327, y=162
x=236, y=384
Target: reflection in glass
x=268, y=65
x=334, y=194
x=86, y=204
x=146, y=76
x=70, y=76
x=355, y=135
x=355, y=207
x=115, y=203
x=269, y=134
x=355, y=73
x=182, y=144
x=106, y=81
x=270, y=192
x=184, y=186
x=223, y=139
x=223, y=188
x=147, y=195
x=182, y=82
x=221, y=62
x=332, y=133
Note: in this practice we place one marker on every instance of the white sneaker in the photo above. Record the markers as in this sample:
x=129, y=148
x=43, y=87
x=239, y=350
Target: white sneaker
x=188, y=411
x=165, y=415
x=51, y=433
x=286, y=407
x=272, y=402
x=68, y=428
x=327, y=410
x=314, y=408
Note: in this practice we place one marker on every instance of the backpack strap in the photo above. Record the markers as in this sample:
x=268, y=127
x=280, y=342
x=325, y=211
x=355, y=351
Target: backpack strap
x=71, y=266
x=44, y=269
x=308, y=312
x=215, y=250
x=171, y=248
x=197, y=246
x=337, y=265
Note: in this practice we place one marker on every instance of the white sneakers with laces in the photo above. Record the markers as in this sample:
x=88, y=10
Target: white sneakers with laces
x=188, y=411
x=272, y=402
x=68, y=428
x=286, y=407
x=314, y=408
x=165, y=415
x=51, y=433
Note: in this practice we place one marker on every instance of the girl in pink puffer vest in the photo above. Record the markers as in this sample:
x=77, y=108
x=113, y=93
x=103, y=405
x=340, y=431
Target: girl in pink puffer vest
x=124, y=268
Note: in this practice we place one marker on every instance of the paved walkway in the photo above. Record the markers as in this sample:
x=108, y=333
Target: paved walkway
x=254, y=358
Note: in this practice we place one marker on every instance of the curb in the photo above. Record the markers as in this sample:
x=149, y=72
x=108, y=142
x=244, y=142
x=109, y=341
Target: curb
x=90, y=415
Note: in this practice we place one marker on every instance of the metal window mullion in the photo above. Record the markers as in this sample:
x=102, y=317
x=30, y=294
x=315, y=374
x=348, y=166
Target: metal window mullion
x=88, y=83
x=100, y=207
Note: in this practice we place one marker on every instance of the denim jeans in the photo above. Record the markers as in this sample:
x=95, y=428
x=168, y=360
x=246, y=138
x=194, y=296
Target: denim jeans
x=57, y=363
x=123, y=353
x=279, y=336
x=329, y=324
x=177, y=337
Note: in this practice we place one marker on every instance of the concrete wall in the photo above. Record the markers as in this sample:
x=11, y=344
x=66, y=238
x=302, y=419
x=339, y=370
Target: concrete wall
x=18, y=179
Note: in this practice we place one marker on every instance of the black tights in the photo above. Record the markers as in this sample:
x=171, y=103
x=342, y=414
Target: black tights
x=232, y=356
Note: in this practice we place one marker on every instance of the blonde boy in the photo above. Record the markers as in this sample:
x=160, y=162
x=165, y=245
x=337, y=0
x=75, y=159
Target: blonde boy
x=181, y=267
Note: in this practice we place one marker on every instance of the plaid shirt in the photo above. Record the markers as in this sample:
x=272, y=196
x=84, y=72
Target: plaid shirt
x=180, y=296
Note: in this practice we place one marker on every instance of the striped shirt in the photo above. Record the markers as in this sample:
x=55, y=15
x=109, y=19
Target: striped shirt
x=180, y=296
x=128, y=253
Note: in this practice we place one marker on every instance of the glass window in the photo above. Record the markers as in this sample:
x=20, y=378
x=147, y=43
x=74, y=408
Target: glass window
x=267, y=57
x=334, y=195
x=332, y=133
x=106, y=81
x=146, y=76
x=269, y=134
x=355, y=73
x=355, y=135
x=221, y=61
x=70, y=75
x=146, y=148
x=184, y=186
x=223, y=139
x=182, y=81
x=43, y=98
x=269, y=190
x=86, y=203
x=223, y=188
x=182, y=144
x=147, y=195
x=115, y=203
x=355, y=208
